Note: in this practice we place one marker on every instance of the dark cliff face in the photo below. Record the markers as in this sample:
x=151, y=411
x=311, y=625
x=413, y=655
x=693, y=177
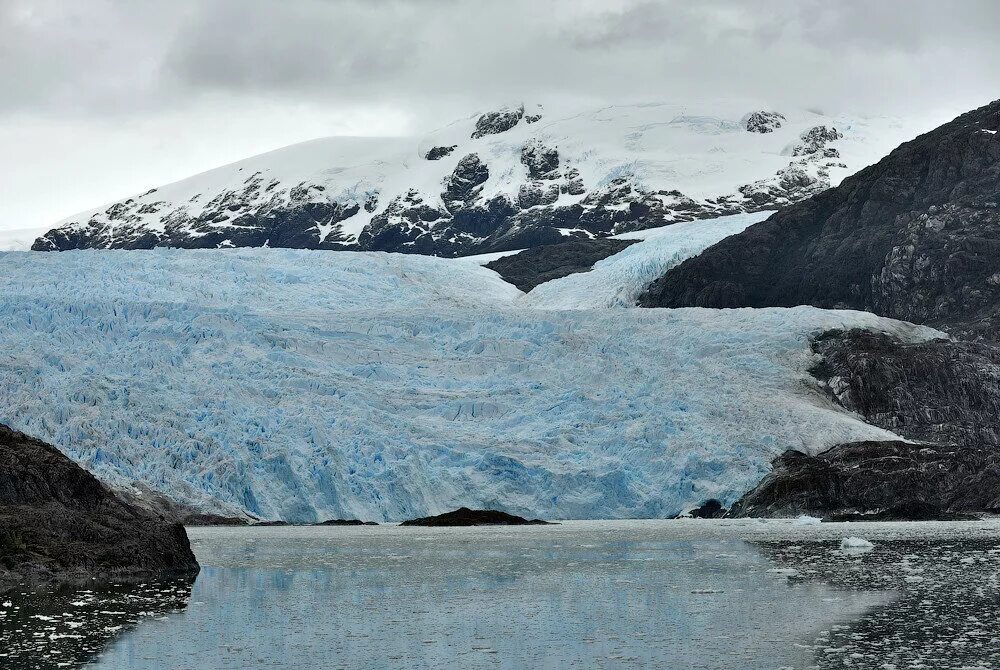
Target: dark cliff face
x=942, y=392
x=914, y=237
x=878, y=480
x=59, y=523
x=944, y=395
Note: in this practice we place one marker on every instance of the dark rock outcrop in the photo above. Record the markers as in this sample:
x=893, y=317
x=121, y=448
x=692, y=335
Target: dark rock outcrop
x=542, y=161
x=345, y=522
x=474, y=517
x=500, y=121
x=914, y=237
x=710, y=509
x=58, y=523
x=537, y=265
x=879, y=480
x=437, y=153
x=763, y=122
x=465, y=181
x=942, y=393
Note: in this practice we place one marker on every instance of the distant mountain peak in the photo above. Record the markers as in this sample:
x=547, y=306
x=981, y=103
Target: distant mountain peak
x=538, y=176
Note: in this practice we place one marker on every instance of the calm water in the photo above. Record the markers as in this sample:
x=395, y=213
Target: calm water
x=732, y=594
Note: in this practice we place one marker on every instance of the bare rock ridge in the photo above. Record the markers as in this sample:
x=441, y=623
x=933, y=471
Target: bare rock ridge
x=532, y=267
x=58, y=523
x=512, y=187
x=915, y=237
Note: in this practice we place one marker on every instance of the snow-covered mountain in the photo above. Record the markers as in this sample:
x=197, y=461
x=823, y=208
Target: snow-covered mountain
x=508, y=179
x=306, y=385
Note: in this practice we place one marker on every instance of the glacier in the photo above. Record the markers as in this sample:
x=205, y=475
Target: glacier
x=305, y=385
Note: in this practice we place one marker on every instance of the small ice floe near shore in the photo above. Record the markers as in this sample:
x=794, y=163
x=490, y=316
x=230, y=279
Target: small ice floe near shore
x=806, y=520
x=855, y=545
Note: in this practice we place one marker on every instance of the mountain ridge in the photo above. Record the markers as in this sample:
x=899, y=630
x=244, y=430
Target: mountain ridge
x=508, y=179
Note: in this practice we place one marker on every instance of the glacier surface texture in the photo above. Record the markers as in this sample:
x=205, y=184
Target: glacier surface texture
x=306, y=385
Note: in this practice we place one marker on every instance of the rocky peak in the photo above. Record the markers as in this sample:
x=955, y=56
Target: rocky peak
x=463, y=185
x=763, y=122
x=499, y=121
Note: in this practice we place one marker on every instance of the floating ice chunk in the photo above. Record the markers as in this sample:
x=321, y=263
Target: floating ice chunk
x=855, y=545
x=806, y=520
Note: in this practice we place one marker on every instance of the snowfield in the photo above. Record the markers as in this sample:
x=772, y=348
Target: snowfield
x=308, y=385
x=683, y=157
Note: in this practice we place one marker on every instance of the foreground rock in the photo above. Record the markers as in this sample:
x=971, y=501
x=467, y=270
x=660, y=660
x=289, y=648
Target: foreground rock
x=474, y=517
x=532, y=267
x=58, y=523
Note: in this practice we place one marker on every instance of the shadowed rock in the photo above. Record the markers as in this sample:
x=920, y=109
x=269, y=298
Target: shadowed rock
x=474, y=517
x=878, y=481
x=58, y=523
x=710, y=509
x=532, y=267
x=942, y=393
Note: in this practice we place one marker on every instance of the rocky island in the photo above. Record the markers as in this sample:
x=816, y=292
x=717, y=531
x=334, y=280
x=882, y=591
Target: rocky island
x=464, y=516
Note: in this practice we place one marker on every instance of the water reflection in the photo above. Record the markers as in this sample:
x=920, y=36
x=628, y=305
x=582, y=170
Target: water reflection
x=69, y=627
x=946, y=612
x=585, y=596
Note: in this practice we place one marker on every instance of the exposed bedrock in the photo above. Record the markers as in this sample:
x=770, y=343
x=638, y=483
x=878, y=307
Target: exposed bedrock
x=944, y=395
x=58, y=523
x=879, y=480
x=537, y=265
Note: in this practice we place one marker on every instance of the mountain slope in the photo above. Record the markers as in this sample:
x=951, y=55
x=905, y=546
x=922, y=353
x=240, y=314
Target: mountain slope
x=914, y=237
x=510, y=179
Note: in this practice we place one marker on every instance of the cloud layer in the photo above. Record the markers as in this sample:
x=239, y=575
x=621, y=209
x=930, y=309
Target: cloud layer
x=101, y=69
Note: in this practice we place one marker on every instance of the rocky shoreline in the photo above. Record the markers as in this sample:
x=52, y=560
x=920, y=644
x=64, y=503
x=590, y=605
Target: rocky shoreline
x=59, y=524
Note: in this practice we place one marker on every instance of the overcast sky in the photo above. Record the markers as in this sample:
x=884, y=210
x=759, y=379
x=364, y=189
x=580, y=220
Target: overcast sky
x=100, y=99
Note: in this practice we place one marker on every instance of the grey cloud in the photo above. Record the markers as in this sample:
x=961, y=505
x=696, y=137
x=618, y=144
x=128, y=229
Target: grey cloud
x=101, y=57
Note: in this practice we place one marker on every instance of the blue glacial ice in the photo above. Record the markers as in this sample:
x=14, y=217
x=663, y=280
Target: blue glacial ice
x=307, y=385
